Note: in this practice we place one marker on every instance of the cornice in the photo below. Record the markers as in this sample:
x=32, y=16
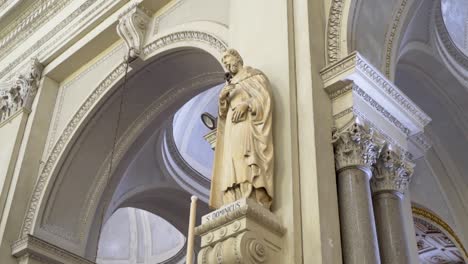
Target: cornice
x=36, y=248
x=58, y=35
x=355, y=68
x=34, y=17
x=7, y=5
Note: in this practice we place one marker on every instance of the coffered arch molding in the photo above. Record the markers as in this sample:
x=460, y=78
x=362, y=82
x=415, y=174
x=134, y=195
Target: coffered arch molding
x=420, y=212
x=209, y=38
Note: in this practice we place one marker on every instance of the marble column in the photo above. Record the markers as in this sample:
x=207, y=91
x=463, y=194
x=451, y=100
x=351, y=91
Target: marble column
x=391, y=178
x=356, y=149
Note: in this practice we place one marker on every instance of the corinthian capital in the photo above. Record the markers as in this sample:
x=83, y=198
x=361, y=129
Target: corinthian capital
x=392, y=172
x=132, y=28
x=23, y=90
x=357, y=146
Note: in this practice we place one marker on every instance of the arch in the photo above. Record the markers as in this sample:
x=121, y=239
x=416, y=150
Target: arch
x=393, y=38
x=200, y=37
x=420, y=212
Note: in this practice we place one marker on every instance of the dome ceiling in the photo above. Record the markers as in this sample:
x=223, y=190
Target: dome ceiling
x=134, y=236
x=455, y=14
x=189, y=130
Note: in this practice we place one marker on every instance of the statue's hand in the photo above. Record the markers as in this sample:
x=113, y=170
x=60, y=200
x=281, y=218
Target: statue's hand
x=225, y=92
x=240, y=113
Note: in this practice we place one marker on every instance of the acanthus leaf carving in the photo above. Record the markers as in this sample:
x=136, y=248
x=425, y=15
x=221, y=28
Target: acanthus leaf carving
x=23, y=91
x=356, y=146
x=392, y=172
x=132, y=29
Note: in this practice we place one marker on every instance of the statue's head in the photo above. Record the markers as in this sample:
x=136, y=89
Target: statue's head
x=232, y=61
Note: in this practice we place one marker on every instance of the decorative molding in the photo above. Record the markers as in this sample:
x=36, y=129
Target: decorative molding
x=340, y=92
x=65, y=137
x=334, y=31
x=356, y=63
x=132, y=26
x=183, y=36
x=21, y=28
x=379, y=108
x=422, y=141
x=38, y=249
x=391, y=36
x=392, y=172
x=356, y=146
x=55, y=36
x=22, y=93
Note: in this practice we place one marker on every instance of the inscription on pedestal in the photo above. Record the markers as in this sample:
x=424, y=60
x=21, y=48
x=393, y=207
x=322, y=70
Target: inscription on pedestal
x=224, y=210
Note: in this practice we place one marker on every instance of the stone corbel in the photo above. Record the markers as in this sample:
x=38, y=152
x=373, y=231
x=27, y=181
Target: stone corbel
x=357, y=89
x=132, y=26
x=21, y=94
x=392, y=172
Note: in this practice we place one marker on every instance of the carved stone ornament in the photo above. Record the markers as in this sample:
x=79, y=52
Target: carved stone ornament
x=392, y=172
x=132, y=29
x=241, y=232
x=23, y=91
x=356, y=146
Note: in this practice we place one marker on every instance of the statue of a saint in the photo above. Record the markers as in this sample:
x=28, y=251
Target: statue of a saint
x=243, y=165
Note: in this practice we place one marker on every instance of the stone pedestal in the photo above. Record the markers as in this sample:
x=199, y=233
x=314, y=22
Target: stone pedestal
x=241, y=232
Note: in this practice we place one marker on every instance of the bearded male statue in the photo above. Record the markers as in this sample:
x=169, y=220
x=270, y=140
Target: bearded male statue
x=243, y=165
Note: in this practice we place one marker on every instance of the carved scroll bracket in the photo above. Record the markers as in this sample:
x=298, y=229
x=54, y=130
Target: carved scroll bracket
x=21, y=93
x=132, y=27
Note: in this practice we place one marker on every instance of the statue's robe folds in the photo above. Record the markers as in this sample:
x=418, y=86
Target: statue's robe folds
x=244, y=150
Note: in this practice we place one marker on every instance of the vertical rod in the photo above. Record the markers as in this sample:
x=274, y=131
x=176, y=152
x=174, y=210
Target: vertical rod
x=191, y=235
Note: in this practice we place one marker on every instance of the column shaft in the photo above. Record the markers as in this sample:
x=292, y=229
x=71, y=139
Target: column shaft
x=359, y=238
x=390, y=228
